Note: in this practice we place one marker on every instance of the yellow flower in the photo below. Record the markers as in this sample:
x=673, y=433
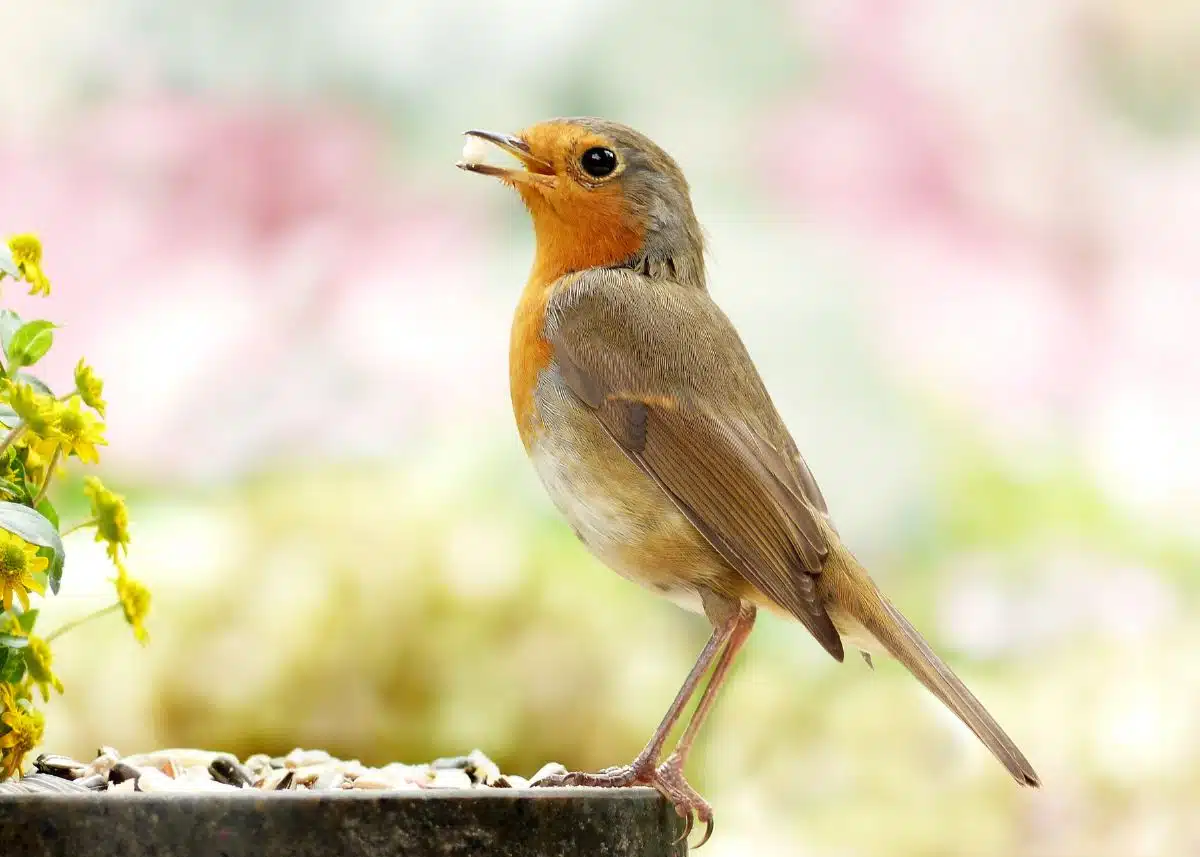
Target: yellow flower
x=25, y=727
x=90, y=387
x=80, y=432
x=39, y=412
x=135, y=601
x=27, y=254
x=38, y=455
x=110, y=514
x=18, y=563
x=39, y=660
x=10, y=625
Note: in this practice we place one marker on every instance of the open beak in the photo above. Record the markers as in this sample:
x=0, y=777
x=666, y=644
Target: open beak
x=536, y=171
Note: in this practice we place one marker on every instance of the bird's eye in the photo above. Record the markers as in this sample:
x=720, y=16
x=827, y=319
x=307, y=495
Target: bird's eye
x=598, y=162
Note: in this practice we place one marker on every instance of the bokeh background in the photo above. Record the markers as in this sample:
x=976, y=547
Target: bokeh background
x=960, y=240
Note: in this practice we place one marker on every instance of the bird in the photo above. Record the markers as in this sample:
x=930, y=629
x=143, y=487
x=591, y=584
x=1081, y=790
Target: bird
x=654, y=435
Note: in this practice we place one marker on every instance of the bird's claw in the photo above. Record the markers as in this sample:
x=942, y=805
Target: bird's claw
x=689, y=821
x=667, y=778
x=689, y=824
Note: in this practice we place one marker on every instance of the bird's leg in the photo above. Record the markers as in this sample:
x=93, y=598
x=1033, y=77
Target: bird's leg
x=641, y=771
x=669, y=776
x=742, y=625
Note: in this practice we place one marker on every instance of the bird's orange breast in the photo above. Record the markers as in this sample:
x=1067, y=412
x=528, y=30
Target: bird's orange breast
x=597, y=234
x=529, y=353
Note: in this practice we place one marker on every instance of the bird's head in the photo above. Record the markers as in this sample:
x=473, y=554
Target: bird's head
x=601, y=195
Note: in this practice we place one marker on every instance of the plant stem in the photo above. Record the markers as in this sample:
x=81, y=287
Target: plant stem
x=90, y=522
x=13, y=436
x=68, y=395
x=70, y=626
x=49, y=475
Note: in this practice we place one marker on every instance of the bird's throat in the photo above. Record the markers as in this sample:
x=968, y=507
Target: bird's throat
x=597, y=232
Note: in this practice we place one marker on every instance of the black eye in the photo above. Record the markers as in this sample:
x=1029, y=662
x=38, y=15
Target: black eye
x=598, y=162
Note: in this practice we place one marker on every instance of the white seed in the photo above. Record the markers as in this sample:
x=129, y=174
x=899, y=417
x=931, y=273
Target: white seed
x=376, y=781
x=475, y=150
x=190, y=770
x=195, y=774
x=420, y=775
x=258, y=764
x=299, y=758
x=549, y=769
x=482, y=769
x=104, y=761
x=213, y=786
x=452, y=779
x=311, y=773
x=330, y=779
x=177, y=758
x=154, y=780
x=372, y=781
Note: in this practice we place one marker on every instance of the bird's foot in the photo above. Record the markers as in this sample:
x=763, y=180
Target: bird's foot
x=667, y=778
x=640, y=772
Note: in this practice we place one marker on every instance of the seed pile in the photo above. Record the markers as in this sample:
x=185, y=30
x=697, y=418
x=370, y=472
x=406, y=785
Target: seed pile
x=190, y=770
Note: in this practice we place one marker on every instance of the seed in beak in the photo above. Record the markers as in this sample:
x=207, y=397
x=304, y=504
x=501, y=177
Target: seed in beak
x=475, y=151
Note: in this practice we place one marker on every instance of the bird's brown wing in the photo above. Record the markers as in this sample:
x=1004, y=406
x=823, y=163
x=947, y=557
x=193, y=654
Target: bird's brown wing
x=646, y=368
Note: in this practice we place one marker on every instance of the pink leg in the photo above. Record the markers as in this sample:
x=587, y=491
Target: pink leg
x=742, y=626
x=669, y=779
x=642, y=769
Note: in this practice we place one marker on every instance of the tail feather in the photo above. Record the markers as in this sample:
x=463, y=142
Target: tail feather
x=857, y=605
x=903, y=643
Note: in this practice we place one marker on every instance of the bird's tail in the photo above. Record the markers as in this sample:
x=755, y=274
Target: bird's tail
x=858, y=596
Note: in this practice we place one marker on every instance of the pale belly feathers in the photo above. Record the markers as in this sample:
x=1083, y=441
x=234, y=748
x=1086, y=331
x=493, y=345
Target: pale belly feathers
x=615, y=509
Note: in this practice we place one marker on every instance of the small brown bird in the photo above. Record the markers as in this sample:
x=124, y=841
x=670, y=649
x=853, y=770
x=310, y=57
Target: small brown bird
x=656, y=439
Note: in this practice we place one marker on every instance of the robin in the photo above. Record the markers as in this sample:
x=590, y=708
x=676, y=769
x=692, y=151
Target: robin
x=655, y=437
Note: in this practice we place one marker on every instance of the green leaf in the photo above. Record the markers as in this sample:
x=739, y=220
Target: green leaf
x=30, y=343
x=48, y=511
x=53, y=570
x=26, y=620
x=34, y=528
x=17, y=480
x=12, y=641
x=10, y=323
x=12, y=665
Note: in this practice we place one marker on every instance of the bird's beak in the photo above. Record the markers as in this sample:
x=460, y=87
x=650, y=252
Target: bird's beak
x=536, y=171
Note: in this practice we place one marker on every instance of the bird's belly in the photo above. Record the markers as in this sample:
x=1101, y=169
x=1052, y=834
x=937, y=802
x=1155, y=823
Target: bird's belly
x=615, y=509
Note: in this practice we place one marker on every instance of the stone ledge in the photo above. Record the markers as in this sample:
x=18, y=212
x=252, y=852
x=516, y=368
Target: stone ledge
x=451, y=823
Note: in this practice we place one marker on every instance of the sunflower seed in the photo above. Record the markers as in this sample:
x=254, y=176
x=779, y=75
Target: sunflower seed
x=60, y=766
x=41, y=783
x=121, y=772
x=229, y=772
